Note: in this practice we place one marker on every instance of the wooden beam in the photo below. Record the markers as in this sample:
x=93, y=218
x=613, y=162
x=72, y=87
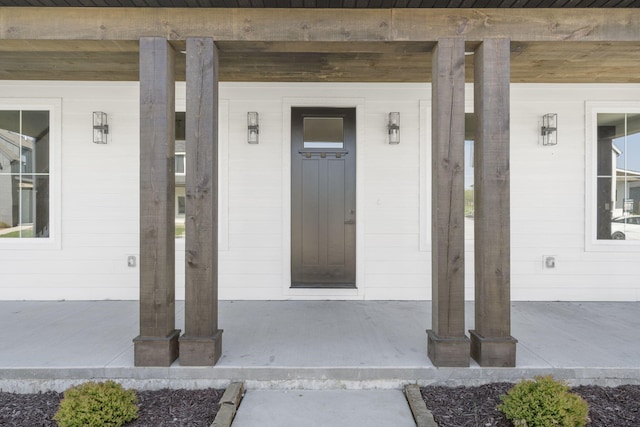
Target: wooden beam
x=320, y=24
x=447, y=343
x=532, y=62
x=201, y=343
x=491, y=341
x=157, y=344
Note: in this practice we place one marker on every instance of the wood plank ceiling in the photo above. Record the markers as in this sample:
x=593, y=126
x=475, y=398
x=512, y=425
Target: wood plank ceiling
x=331, y=3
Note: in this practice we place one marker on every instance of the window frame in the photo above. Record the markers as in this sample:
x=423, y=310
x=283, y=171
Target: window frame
x=592, y=109
x=54, y=106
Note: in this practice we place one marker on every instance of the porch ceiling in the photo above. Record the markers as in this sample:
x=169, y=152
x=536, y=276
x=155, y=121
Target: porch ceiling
x=534, y=62
x=306, y=45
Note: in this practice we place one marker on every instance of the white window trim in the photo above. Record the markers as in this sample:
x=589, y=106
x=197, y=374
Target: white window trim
x=54, y=106
x=592, y=108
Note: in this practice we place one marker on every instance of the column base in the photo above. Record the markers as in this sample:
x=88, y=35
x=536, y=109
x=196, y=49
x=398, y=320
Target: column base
x=493, y=351
x=447, y=352
x=200, y=351
x=156, y=351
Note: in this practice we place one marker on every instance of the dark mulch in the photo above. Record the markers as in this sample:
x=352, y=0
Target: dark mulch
x=476, y=406
x=159, y=408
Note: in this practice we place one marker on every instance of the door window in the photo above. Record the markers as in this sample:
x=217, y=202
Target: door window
x=323, y=132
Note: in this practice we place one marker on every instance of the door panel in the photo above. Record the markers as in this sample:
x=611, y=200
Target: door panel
x=323, y=181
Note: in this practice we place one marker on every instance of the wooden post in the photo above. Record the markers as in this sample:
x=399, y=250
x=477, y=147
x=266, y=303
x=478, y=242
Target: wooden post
x=447, y=343
x=491, y=341
x=201, y=343
x=157, y=344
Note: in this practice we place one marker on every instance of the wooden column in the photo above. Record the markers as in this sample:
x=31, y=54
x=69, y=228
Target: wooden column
x=157, y=344
x=491, y=341
x=201, y=343
x=447, y=343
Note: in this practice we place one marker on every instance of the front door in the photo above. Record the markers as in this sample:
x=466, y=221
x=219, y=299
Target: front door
x=323, y=197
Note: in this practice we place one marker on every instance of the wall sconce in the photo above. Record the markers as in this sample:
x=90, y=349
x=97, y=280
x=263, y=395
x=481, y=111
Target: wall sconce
x=549, y=130
x=394, y=128
x=253, y=127
x=100, y=127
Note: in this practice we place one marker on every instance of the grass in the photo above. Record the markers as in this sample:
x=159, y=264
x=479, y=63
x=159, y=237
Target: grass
x=25, y=233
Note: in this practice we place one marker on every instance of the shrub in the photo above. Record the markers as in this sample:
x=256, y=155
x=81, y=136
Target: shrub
x=97, y=404
x=544, y=402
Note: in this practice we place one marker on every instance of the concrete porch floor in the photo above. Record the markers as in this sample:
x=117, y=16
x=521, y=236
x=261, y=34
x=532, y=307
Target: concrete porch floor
x=312, y=345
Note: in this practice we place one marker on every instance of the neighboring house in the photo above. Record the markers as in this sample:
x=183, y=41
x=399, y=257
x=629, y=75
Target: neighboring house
x=348, y=183
x=17, y=191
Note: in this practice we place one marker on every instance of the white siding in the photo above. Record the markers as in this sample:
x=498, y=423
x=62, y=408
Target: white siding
x=100, y=196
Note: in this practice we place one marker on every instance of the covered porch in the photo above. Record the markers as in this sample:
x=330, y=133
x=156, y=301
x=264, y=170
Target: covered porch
x=311, y=345
x=491, y=48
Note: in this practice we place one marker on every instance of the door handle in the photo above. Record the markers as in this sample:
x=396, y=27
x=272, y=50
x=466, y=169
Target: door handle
x=350, y=221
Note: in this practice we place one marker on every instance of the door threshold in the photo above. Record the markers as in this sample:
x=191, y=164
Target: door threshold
x=323, y=286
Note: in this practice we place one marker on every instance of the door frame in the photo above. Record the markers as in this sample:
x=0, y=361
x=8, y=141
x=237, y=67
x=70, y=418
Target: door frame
x=319, y=293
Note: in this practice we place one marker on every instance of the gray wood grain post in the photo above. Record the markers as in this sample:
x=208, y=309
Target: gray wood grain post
x=491, y=341
x=201, y=343
x=157, y=344
x=447, y=343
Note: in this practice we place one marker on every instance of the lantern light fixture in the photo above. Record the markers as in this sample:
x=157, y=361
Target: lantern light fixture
x=549, y=130
x=253, y=127
x=100, y=127
x=394, y=128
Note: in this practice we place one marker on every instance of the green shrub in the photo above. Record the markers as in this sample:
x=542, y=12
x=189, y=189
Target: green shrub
x=544, y=402
x=97, y=404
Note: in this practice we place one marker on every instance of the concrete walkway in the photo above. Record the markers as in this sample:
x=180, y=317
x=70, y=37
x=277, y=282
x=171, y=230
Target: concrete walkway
x=335, y=408
x=311, y=345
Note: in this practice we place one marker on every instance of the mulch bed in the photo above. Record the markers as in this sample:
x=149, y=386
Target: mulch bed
x=476, y=406
x=158, y=408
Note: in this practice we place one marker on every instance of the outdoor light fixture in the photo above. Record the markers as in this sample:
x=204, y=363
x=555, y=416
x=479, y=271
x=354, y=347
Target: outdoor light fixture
x=253, y=127
x=549, y=130
x=100, y=127
x=394, y=128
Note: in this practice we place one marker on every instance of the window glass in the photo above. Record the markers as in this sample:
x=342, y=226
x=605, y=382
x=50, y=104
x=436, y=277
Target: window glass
x=24, y=174
x=180, y=166
x=469, y=126
x=180, y=125
x=618, y=176
x=180, y=171
x=323, y=132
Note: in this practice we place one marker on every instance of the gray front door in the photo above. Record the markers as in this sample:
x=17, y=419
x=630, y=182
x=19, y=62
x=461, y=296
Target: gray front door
x=323, y=197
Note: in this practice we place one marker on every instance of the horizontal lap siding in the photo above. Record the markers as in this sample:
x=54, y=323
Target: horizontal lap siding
x=548, y=201
x=100, y=197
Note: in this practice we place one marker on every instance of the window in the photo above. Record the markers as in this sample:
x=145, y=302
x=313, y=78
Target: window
x=323, y=132
x=181, y=205
x=180, y=171
x=25, y=173
x=617, y=176
x=180, y=164
x=469, y=136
